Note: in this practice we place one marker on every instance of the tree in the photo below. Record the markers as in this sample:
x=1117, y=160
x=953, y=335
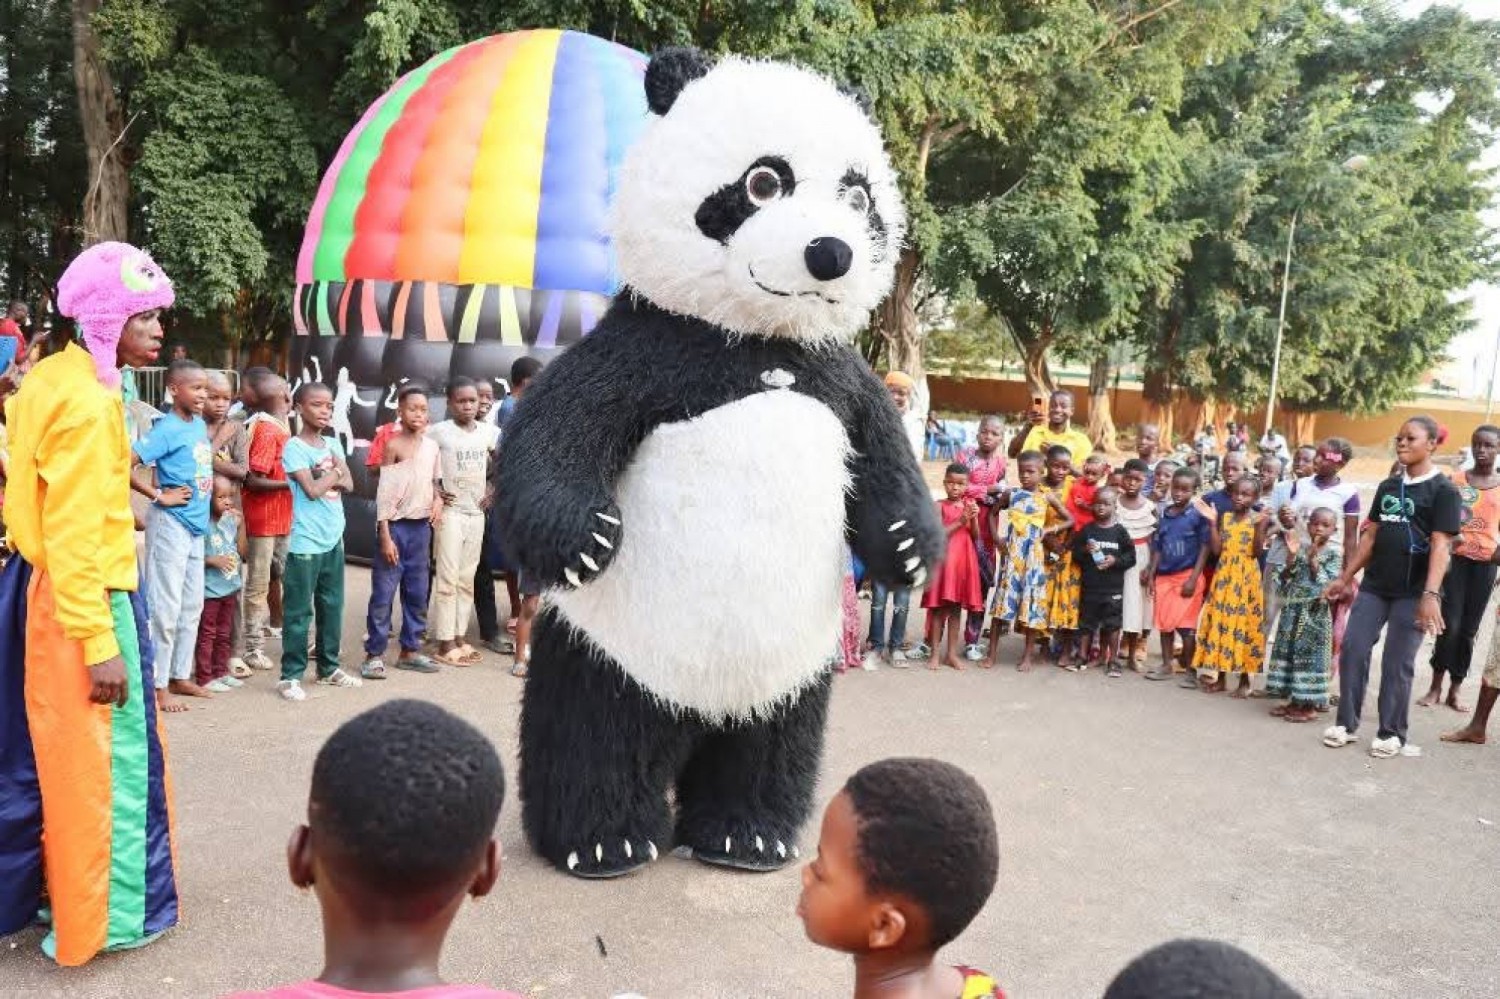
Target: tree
x=106, y=204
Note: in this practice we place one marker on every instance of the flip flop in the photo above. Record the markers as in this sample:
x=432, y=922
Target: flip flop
x=453, y=658
x=417, y=663
x=467, y=651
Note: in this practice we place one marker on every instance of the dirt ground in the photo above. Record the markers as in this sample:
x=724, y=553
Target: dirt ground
x=1130, y=813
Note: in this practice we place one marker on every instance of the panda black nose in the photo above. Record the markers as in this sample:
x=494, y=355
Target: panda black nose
x=828, y=258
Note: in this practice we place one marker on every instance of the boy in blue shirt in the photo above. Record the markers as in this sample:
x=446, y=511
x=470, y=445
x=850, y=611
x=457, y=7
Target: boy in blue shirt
x=1179, y=551
x=313, y=582
x=176, y=523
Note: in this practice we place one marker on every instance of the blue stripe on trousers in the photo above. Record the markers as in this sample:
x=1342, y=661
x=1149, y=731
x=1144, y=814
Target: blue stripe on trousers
x=161, y=881
x=20, y=795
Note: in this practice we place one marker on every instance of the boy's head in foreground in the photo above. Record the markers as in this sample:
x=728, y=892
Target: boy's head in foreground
x=907, y=857
x=400, y=822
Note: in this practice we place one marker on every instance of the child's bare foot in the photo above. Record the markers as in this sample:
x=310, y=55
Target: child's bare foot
x=1216, y=687
x=988, y=662
x=933, y=663
x=1454, y=703
x=1243, y=690
x=953, y=662
x=166, y=702
x=1024, y=666
x=1433, y=696
x=1469, y=734
x=188, y=688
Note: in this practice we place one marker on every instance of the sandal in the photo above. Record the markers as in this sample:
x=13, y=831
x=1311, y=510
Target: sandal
x=417, y=663
x=338, y=678
x=239, y=670
x=454, y=658
x=373, y=668
x=468, y=652
x=1281, y=711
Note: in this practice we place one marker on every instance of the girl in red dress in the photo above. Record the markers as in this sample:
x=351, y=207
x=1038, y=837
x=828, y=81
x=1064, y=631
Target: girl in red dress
x=955, y=587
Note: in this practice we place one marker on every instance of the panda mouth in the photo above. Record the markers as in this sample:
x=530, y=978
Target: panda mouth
x=789, y=294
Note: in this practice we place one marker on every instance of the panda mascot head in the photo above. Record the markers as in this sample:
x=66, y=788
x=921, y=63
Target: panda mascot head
x=761, y=200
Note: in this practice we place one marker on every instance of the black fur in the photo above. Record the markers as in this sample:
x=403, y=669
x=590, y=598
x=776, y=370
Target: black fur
x=669, y=71
x=599, y=755
x=722, y=213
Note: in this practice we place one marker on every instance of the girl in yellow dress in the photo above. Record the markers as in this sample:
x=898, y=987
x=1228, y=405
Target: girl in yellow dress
x=1064, y=582
x=1230, y=638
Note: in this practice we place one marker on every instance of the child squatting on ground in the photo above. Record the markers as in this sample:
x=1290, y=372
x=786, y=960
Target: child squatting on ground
x=314, y=582
x=907, y=857
x=400, y=831
x=177, y=448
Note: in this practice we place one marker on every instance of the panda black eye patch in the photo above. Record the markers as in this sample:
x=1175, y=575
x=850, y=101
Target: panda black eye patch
x=874, y=222
x=722, y=213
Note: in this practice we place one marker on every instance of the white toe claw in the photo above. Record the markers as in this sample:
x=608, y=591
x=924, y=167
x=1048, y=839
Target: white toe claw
x=603, y=541
x=781, y=849
x=919, y=578
x=629, y=853
x=599, y=853
x=572, y=577
x=796, y=853
x=912, y=563
x=897, y=526
x=651, y=849
x=906, y=544
x=573, y=861
x=760, y=845
x=608, y=519
x=727, y=846
x=589, y=562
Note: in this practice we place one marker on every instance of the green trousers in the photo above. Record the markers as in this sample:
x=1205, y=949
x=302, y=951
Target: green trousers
x=312, y=585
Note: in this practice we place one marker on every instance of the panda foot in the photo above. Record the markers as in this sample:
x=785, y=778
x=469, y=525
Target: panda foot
x=611, y=858
x=747, y=853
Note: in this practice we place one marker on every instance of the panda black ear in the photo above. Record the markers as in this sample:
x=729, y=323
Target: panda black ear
x=859, y=97
x=669, y=71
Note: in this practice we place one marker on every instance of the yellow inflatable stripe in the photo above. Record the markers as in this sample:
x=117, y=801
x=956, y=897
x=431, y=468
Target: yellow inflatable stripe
x=505, y=192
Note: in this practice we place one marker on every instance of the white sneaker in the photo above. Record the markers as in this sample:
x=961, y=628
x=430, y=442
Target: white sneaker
x=974, y=654
x=1385, y=749
x=217, y=687
x=871, y=662
x=257, y=659
x=1336, y=736
x=291, y=690
x=231, y=681
x=338, y=678
x=272, y=631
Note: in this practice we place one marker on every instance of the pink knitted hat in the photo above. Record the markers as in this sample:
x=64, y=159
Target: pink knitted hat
x=102, y=288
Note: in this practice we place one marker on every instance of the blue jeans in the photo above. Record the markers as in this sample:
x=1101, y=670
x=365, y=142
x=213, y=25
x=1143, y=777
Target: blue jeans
x=174, y=593
x=413, y=574
x=900, y=598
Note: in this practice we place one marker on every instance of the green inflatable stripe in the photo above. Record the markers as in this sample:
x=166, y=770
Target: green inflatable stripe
x=338, y=218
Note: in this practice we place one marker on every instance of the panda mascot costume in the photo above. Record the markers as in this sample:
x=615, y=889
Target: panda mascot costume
x=683, y=482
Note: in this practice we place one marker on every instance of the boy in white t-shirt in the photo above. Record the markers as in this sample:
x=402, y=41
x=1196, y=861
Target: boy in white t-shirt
x=467, y=447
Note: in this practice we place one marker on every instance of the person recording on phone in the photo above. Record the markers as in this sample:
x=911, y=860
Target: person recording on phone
x=1051, y=424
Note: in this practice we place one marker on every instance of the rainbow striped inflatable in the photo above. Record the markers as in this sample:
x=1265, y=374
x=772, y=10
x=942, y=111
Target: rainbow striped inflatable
x=469, y=203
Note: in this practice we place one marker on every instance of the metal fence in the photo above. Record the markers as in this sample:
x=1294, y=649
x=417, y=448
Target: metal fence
x=151, y=385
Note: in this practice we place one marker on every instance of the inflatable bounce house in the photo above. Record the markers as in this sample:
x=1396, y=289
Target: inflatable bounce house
x=461, y=226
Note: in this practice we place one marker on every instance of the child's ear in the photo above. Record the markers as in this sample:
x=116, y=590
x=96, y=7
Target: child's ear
x=889, y=926
x=488, y=873
x=299, y=857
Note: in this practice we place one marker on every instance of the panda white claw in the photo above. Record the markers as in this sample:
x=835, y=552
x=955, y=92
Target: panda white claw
x=760, y=845
x=906, y=544
x=912, y=563
x=590, y=563
x=897, y=526
x=572, y=577
x=781, y=849
x=629, y=853
x=603, y=541
x=573, y=861
x=919, y=577
x=651, y=849
x=727, y=846
x=608, y=519
x=796, y=852
x=599, y=853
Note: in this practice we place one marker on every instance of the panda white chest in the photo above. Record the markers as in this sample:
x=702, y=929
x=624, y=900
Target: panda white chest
x=725, y=594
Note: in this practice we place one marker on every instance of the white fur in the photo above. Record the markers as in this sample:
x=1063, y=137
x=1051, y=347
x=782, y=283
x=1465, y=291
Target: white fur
x=717, y=127
x=725, y=594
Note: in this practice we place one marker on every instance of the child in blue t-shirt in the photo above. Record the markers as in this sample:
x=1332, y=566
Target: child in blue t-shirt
x=177, y=447
x=313, y=583
x=224, y=552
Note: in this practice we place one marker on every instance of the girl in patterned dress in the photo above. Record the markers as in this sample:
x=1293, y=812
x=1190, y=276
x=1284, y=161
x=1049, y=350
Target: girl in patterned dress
x=1020, y=597
x=1064, y=584
x=1230, y=636
x=1302, y=657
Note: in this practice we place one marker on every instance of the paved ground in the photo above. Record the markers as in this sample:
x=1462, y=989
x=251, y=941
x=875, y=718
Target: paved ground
x=1130, y=813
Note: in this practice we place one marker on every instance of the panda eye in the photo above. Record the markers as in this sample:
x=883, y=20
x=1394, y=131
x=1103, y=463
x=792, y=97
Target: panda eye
x=858, y=199
x=763, y=185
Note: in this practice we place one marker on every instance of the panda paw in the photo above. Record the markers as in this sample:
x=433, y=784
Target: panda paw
x=611, y=857
x=749, y=851
x=906, y=553
x=596, y=549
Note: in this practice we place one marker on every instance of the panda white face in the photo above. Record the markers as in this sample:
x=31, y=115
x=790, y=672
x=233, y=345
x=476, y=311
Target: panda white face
x=761, y=200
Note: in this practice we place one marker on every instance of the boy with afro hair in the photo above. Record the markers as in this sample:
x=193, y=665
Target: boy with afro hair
x=907, y=857
x=400, y=830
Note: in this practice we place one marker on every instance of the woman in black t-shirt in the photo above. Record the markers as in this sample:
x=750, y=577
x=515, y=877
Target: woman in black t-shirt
x=1403, y=550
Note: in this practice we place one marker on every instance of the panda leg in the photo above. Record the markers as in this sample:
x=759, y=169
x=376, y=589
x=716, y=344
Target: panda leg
x=747, y=790
x=597, y=757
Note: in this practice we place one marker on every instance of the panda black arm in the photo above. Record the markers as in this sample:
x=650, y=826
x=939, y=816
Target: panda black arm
x=560, y=453
x=888, y=490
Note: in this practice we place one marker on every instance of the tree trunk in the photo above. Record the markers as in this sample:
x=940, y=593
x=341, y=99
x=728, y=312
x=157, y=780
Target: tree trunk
x=897, y=318
x=1304, y=428
x=1157, y=397
x=1101, y=417
x=106, y=203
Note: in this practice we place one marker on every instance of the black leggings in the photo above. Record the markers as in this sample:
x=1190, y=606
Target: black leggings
x=1466, y=592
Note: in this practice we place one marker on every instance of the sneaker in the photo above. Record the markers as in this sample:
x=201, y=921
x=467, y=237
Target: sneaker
x=272, y=631
x=256, y=659
x=1385, y=749
x=217, y=686
x=871, y=662
x=1337, y=736
x=232, y=682
x=1113, y=670
x=291, y=690
x=974, y=653
x=919, y=652
x=338, y=678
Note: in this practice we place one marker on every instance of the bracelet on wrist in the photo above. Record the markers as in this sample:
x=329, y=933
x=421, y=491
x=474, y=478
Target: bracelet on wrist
x=1433, y=593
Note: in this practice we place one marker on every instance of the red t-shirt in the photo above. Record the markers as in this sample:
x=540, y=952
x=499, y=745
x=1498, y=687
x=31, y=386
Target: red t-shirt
x=268, y=515
x=383, y=433
x=317, y=990
x=9, y=327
